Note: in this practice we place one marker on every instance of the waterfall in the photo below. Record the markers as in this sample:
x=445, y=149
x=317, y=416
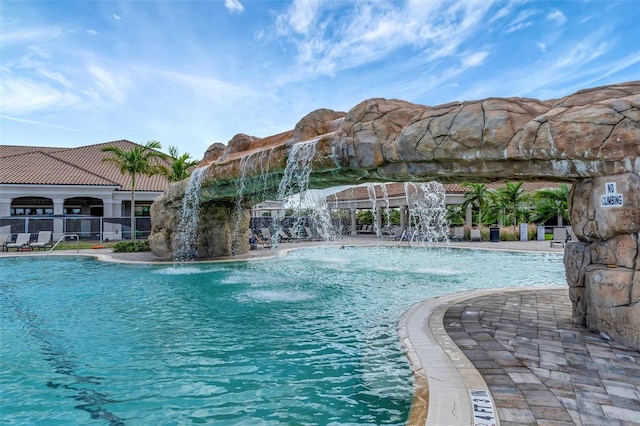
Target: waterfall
x=185, y=243
x=427, y=211
x=239, y=210
x=381, y=224
x=371, y=191
x=387, y=210
x=294, y=189
x=258, y=181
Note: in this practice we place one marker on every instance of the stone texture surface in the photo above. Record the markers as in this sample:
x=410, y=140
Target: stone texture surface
x=590, y=138
x=559, y=373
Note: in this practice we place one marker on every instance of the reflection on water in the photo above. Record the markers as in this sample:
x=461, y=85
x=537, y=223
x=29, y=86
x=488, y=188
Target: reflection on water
x=307, y=338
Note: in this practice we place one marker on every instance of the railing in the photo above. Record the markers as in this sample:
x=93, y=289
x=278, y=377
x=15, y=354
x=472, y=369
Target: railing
x=76, y=236
x=93, y=228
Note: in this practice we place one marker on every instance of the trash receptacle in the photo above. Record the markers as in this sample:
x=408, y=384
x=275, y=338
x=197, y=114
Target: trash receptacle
x=524, y=232
x=494, y=234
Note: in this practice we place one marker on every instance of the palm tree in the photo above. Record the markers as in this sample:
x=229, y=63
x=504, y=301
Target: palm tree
x=552, y=203
x=510, y=198
x=139, y=160
x=180, y=165
x=477, y=195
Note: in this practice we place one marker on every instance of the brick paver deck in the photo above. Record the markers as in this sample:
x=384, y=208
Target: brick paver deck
x=540, y=368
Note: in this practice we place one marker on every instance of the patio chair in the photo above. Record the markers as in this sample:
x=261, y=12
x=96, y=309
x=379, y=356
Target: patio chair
x=458, y=233
x=296, y=236
x=283, y=236
x=44, y=240
x=21, y=243
x=266, y=237
x=475, y=235
x=560, y=236
x=311, y=235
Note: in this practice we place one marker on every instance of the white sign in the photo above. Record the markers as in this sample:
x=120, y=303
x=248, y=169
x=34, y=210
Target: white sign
x=611, y=198
x=483, y=413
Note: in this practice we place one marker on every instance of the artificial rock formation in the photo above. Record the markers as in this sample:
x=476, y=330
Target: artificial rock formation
x=590, y=138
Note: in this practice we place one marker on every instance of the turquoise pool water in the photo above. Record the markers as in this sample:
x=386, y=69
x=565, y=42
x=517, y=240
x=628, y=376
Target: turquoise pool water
x=308, y=338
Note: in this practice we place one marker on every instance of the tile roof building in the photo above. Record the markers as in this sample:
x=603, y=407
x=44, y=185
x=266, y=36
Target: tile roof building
x=40, y=182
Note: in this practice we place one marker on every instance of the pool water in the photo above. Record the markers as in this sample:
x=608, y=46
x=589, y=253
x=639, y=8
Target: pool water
x=308, y=338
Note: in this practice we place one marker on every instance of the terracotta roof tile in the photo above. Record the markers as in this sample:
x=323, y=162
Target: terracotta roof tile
x=70, y=166
x=396, y=189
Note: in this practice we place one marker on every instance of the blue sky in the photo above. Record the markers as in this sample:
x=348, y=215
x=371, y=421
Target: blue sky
x=190, y=73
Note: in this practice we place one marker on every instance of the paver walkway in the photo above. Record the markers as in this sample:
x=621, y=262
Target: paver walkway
x=540, y=368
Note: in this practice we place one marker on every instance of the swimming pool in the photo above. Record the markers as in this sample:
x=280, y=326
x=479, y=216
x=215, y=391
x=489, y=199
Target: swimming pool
x=307, y=338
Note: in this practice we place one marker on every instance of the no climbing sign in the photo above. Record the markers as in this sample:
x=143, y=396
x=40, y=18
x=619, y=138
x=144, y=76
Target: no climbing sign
x=611, y=198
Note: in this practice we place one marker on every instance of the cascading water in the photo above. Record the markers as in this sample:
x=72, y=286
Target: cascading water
x=294, y=188
x=427, y=211
x=258, y=164
x=387, y=209
x=184, y=244
x=371, y=191
x=238, y=210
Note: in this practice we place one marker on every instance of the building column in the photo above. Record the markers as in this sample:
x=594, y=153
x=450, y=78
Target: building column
x=58, y=223
x=468, y=216
x=354, y=231
x=5, y=207
x=5, y=210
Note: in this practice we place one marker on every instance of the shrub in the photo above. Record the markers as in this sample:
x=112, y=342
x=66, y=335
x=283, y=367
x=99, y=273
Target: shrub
x=131, y=246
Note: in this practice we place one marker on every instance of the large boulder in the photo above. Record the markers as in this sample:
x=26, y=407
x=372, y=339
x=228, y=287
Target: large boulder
x=603, y=269
x=590, y=138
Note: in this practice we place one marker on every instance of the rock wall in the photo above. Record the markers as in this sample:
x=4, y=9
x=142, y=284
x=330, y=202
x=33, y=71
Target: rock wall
x=603, y=268
x=590, y=139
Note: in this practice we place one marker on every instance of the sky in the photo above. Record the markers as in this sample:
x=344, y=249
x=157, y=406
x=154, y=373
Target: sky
x=191, y=73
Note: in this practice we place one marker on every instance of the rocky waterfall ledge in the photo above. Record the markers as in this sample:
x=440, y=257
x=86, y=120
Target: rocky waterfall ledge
x=590, y=139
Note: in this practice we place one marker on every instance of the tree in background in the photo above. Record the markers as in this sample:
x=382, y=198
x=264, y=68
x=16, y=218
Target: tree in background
x=456, y=215
x=510, y=202
x=478, y=195
x=181, y=165
x=139, y=160
x=552, y=203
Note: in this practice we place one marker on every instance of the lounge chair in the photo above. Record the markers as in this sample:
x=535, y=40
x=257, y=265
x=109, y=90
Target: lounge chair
x=475, y=235
x=21, y=243
x=44, y=240
x=266, y=237
x=458, y=233
x=311, y=235
x=366, y=229
x=283, y=236
x=5, y=238
x=296, y=236
x=560, y=236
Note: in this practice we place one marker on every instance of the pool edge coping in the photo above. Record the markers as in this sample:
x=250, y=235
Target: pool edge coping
x=443, y=374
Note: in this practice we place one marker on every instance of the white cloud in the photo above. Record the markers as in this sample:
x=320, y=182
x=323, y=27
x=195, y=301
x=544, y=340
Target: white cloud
x=111, y=86
x=35, y=122
x=557, y=17
x=234, y=6
x=522, y=20
x=331, y=37
x=474, y=59
x=116, y=17
x=28, y=35
x=24, y=96
x=92, y=32
x=54, y=76
x=299, y=17
x=541, y=46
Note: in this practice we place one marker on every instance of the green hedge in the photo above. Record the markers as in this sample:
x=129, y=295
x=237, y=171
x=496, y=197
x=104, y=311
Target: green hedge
x=131, y=246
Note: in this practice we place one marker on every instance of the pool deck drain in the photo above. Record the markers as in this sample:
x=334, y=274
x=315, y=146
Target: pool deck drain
x=517, y=344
